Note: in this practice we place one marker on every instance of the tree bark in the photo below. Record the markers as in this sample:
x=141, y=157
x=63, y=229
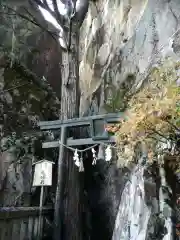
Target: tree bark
x=70, y=93
x=70, y=96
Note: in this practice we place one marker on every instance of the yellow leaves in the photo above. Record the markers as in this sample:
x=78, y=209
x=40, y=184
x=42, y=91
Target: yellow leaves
x=178, y=114
x=112, y=128
x=172, y=91
x=151, y=109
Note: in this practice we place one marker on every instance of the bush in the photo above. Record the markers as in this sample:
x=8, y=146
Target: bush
x=153, y=113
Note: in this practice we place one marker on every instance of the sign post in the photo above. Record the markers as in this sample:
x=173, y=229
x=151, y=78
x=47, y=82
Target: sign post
x=42, y=177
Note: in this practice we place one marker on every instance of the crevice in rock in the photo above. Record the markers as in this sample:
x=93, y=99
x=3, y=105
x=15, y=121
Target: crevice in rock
x=171, y=180
x=103, y=185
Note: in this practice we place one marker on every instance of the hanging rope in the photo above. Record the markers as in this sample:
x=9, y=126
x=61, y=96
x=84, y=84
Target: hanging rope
x=79, y=160
x=88, y=148
x=78, y=150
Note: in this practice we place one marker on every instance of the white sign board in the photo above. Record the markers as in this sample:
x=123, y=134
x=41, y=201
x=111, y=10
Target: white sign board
x=43, y=173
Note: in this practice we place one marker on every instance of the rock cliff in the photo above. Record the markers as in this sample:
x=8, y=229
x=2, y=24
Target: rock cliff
x=120, y=42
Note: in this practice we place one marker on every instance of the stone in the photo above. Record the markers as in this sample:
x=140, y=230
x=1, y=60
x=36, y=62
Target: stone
x=135, y=32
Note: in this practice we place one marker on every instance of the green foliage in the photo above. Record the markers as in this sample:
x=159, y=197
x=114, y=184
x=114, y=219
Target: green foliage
x=16, y=145
x=117, y=101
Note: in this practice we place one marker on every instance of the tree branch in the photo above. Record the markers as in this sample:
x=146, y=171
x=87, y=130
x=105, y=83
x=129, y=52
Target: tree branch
x=171, y=124
x=55, y=14
x=70, y=25
x=58, y=16
x=33, y=21
x=158, y=133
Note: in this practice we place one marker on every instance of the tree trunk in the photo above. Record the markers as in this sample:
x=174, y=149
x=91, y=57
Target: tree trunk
x=70, y=95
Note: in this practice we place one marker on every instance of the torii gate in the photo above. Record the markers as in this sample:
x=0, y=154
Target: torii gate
x=97, y=135
x=67, y=17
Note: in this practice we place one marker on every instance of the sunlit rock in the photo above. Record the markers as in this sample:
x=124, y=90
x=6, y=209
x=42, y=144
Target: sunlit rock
x=121, y=38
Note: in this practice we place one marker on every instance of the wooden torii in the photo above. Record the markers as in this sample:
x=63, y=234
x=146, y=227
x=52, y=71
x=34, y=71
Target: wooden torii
x=98, y=135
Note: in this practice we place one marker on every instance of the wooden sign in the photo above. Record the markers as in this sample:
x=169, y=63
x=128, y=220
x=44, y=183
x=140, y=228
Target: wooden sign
x=43, y=173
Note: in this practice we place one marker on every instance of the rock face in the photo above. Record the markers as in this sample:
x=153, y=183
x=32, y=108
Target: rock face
x=23, y=103
x=121, y=41
x=25, y=98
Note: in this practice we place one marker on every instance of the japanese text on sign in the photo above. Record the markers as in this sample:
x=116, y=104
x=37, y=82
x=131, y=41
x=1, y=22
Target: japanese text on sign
x=43, y=174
